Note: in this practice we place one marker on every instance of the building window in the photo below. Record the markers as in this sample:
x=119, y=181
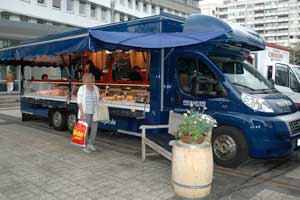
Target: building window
x=136, y=5
x=93, y=11
x=43, y=2
x=24, y=18
x=82, y=7
x=240, y=20
x=70, y=5
x=223, y=16
x=57, y=4
x=144, y=7
x=153, y=9
x=129, y=3
x=103, y=14
x=41, y=21
x=5, y=16
x=122, y=2
x=122, y=17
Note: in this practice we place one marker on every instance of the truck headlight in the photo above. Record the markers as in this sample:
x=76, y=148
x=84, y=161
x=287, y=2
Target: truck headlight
x=256, y=103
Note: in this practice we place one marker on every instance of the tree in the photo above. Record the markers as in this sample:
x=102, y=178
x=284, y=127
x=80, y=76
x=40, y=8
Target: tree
x=295, y=55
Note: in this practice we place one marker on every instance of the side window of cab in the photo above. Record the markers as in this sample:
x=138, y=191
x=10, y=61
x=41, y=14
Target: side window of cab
x=196, y=79
x=294, y=84
x=281, y=75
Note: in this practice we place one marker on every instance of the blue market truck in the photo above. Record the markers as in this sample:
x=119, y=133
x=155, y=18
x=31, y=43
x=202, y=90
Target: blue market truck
x=254, y=119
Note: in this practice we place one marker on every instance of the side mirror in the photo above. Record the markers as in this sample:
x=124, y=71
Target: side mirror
x=272, y=81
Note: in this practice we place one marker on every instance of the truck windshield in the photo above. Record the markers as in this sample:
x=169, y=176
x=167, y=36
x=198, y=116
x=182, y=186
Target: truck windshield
x=244, y=76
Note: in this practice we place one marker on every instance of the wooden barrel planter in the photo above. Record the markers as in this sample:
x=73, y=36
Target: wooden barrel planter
x=192, y=169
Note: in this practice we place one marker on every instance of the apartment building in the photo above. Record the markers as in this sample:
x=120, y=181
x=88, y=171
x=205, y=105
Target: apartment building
x=209, y=7
x=25, y=19
x=276, y=20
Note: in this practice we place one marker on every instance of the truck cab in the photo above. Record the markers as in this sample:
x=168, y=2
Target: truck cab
x=254, y=119
x=286, y=80
x=273, y=64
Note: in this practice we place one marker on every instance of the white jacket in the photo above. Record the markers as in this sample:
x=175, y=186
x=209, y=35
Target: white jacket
x=81, y=97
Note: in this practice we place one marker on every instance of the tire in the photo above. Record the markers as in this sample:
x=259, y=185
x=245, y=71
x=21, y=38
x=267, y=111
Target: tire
x=59, y=120
x=71, y=121
x=230, y=147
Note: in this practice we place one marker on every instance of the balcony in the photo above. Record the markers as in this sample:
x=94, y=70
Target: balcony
x=259, y=8
x=222, y=12
x=259, y=15
x=270, y=6
x=283, y=34
x=283, y=26
x=270, y=34
x=271, y=14
x=270, y=27
x=259, y=28
x=283, y=20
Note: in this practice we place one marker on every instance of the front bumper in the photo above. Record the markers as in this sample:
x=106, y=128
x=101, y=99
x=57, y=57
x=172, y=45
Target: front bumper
x=273, y=136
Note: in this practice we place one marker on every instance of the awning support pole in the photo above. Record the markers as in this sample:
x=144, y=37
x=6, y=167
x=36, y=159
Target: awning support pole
x=70, y=76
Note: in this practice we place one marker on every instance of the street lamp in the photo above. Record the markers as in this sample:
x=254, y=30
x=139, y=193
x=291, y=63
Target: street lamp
x=112, y=7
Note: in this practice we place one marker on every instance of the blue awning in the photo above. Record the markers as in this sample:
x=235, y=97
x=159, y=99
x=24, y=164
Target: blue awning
x=198, y=29
x=53, y=47
x=108, y=39
x=96, y=40
x=8, y=54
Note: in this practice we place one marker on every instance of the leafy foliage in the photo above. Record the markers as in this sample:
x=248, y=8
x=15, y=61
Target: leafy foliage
x=295, y=55
x=195, y=123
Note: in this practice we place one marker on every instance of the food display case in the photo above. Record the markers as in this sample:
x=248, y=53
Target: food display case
x=55, y=98
x=127, y=100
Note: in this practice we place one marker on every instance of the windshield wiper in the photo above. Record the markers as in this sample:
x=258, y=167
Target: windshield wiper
x=244, y=86
x=266, y=91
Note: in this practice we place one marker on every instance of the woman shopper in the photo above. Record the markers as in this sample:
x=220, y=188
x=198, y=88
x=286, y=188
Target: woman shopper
x=87, y=99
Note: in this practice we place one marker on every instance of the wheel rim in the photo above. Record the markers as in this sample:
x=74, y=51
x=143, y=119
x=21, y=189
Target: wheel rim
x=71, y=121
x=57, y=119
x=225, y=148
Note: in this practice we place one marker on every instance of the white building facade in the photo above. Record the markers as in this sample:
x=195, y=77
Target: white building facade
x=276, y=20
x=209, y=7
x=88, y=13
x=79, y=13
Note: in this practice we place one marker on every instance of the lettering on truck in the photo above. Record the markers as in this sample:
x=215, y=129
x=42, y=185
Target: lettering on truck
x=194, y=103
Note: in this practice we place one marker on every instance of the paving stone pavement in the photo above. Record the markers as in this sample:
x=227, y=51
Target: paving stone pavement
x=38, y=163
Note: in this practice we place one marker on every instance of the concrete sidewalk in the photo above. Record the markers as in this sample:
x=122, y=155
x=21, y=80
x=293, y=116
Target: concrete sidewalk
x=37, y=162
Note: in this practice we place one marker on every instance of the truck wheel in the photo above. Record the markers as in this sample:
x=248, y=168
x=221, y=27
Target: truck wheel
x=230, y=147
x=59, y=120
x=71, y=121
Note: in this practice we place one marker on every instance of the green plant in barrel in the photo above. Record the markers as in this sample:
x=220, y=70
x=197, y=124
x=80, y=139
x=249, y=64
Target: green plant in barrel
x=195, y=125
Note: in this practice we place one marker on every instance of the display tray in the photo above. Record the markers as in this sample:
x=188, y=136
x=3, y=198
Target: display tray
x=113, y=104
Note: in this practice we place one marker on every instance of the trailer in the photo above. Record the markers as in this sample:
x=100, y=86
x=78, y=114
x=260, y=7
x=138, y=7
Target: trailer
x=199, y=61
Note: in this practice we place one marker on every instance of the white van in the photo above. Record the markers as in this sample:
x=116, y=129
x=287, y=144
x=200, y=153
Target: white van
x=273, y=63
